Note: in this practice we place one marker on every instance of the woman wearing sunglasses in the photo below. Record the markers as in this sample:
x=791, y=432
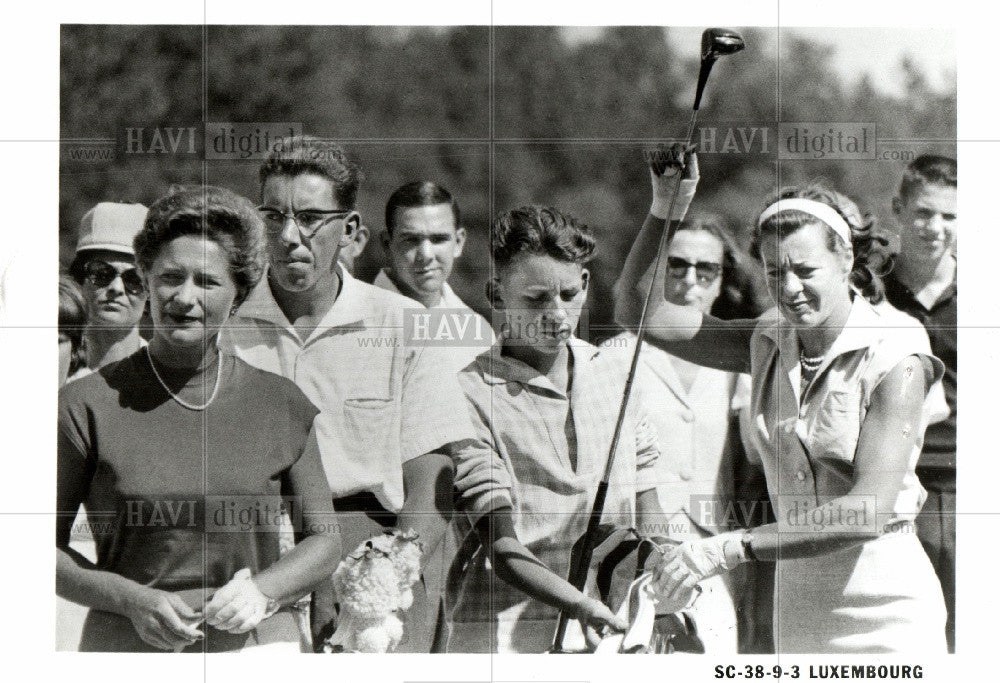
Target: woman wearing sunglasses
x=115, y=296
x=838, y=410
x=694, y=410
x=182, y=456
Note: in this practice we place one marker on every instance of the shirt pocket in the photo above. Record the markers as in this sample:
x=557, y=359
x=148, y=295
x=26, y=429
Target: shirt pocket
x=836, y=425
x=370, y=429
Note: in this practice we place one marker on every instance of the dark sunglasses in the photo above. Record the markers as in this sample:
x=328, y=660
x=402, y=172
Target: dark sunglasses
x=101, y=274
x=705, y=272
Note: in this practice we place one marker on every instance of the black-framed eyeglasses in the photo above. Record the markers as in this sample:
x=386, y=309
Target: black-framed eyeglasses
x=706, y=272
x=308, y=221
x=101, y=274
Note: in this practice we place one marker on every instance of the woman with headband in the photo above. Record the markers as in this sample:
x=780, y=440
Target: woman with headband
x=838, y=411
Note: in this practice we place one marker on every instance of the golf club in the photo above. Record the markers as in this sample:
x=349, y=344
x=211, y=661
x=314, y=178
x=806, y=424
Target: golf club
x=715, y=43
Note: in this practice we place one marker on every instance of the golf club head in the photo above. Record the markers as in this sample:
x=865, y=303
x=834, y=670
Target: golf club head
x=715, y=43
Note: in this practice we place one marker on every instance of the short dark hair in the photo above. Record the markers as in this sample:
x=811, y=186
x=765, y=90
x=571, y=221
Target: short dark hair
x=540, y=230
x=306, y=154
x=214, y=213
x=928, y=169
x=418, y=193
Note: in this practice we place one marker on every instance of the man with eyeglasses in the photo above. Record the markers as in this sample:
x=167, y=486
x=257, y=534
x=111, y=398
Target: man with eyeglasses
x=390, y=412
x=104, y=265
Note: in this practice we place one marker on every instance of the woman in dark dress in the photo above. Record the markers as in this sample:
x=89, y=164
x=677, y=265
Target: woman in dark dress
x=182, y=457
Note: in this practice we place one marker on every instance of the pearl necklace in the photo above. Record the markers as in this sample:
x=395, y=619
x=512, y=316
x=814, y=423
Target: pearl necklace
x=810, y=364
x=189, y=406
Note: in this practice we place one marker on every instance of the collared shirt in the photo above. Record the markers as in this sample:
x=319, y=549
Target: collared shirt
x=468, y=332
x=382, y=400
x=940, y=321
x=523, y=458
x=695, y=474
x=808, y=442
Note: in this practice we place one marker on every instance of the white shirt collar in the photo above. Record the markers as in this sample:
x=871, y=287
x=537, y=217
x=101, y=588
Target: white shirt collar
x=448, y=297
x=862, y=320
x=348, y=309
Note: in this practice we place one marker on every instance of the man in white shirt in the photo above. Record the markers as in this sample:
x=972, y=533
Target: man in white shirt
x=390, y=413
x=423, y=238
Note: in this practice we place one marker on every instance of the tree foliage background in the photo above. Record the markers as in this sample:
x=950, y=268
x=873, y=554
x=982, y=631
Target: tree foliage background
x=545, y=120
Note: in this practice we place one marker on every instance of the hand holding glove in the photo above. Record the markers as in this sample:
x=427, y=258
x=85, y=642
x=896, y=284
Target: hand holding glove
x=239, y=606
x=664, y=165
x=681, y=570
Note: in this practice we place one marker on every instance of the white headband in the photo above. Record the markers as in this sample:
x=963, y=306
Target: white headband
x=823, y=212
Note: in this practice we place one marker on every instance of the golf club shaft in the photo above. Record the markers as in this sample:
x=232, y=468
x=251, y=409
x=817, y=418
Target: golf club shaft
x=578, y=573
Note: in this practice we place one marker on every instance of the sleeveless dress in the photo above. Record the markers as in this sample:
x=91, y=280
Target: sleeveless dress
x=879, y=596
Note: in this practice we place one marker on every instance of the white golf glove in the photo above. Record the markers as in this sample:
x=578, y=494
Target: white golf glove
x=664, y=165
x=693, y=561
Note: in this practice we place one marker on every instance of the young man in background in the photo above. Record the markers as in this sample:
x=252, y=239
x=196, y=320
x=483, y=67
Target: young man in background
x=924, y=285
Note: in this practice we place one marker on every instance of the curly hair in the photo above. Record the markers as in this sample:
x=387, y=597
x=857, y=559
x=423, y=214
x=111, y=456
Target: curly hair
x=872, y=258
x=740, y=291
x=540, y=230
x=307, y=154
x=214, y=213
